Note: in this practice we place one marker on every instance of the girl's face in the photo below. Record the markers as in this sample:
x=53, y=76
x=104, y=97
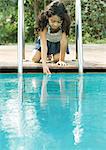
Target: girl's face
x=55, y=22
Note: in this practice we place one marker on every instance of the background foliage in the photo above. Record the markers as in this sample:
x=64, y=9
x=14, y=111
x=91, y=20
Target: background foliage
x=93, y=19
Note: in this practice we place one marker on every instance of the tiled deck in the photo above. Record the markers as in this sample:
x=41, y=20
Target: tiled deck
x=94, y=59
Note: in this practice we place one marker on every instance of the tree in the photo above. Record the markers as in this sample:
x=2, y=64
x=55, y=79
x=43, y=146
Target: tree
x=93, y=19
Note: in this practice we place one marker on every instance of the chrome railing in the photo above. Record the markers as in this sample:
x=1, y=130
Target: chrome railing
x=21, y=51
x=79, y=50
x=20, y=35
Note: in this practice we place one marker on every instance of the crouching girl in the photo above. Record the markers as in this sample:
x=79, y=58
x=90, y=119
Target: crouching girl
x=53, y=28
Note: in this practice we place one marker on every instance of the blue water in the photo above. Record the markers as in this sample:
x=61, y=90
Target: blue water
x=56, y=112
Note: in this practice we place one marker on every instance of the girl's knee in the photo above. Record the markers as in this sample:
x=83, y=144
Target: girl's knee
x=56, y=57
x=36, y=57
x=35, y=60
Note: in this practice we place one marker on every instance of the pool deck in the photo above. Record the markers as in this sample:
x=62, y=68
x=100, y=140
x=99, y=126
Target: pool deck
x=94, y=59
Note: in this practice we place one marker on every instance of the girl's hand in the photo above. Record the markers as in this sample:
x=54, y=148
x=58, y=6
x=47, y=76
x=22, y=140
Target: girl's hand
x=46, y=69
x=61, y=63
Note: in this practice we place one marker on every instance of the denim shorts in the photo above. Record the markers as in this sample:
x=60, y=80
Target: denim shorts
x=53, y=47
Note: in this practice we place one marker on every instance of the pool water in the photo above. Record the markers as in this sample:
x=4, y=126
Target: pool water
x=53, y=112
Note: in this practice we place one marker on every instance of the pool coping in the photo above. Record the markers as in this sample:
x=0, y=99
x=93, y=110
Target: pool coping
x=94, y=59
x=38, y=69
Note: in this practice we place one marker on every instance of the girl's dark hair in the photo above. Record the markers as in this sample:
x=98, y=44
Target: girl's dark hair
x=54, y=8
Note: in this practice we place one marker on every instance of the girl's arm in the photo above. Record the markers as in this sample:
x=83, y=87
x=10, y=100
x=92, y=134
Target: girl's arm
x=44, y=50
x=63, y=46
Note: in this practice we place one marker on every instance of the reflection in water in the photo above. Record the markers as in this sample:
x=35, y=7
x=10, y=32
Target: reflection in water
x=11, y=115
x=41, y=117
x=48, y=114
x=78, y=130
x=52, y=90
x=53, y=112
x=43, y=97
x=17, y=141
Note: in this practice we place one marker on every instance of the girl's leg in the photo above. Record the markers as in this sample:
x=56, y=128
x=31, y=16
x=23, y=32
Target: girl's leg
x=63, y=47
x=36, y=56
x=56, y=57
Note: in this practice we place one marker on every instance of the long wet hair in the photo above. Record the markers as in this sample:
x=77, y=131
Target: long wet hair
x=54, y=8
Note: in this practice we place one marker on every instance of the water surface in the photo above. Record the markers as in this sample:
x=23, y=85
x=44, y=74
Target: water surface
x=56, y=112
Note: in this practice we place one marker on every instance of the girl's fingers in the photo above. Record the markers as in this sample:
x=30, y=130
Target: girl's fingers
x=61, y=63
x=46, y=70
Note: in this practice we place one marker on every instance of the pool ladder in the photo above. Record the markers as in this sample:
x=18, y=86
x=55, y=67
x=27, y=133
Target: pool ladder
x=21, y=43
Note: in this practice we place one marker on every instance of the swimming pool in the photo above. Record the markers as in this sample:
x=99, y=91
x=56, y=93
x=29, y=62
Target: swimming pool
x=56, y=112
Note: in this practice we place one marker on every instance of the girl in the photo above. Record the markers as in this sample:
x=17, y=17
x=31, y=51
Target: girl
x=53, y=28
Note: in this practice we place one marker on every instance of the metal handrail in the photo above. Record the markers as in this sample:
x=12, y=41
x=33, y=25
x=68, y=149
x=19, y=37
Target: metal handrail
x=21, y=51
x=79, y=49
x=20, y=35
